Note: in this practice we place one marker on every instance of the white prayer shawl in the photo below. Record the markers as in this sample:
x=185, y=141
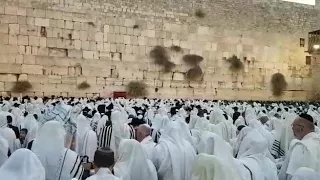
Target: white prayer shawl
x=17, y=116
x=103, y=174
x=22, y=164
x=173, y=156
x=243, y=133
x=86, y=141
x=148, y=145
x=7, y=133
x=185, y=131
x=4, y=148
x=304, y=173
x=302, y=153
x=252, y=149
x=216, y=116
x=240, y=121
x=131, y=157
x=59, y=163
x=32, y=126
x=196, y=136
x=211, y=167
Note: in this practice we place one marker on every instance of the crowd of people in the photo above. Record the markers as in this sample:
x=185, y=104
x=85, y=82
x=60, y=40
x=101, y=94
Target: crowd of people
x=61, y=138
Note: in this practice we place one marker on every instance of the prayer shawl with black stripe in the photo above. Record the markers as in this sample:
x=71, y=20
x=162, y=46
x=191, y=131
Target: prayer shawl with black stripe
x=105, y=136
x=68, y=165
x=155, y=134
x=61, y=113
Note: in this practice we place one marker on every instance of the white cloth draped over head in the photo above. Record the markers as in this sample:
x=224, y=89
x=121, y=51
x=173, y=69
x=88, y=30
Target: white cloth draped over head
x=4, y=148
x=32, y=126
x=252, y=153
x=174, y=156
x=7, y=133
x=86, y=141
x=48, y=147
x=133, y=163
x=211, y=167
x=304, y=173
x=22, y=164
x=59, y=162
x=185, y=131
x=216, y=116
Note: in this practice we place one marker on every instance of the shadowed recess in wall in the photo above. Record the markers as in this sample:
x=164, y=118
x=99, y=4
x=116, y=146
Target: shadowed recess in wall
x=235, y=64
x=194, y=74
x=278, y=84
x=21, y=86
x=136, y=89
x=160, y=56
x=84, y=85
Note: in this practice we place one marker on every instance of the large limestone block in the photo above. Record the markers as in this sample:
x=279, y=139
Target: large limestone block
x=184, y=93
x=178, y=76
x=11, y=68
x=68, y=80
x=38, y=78
x=54, y=79
x=31, y=69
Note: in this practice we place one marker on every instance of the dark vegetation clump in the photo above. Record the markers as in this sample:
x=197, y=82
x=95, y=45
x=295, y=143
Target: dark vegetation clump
x=278, y=84
x=136, y=89
x=194, y=74
x=84, y=85
x=21, y=86
x=192, y=59
x=199, y=13
x=160, y=56
x=235, y=64
x=176, y=48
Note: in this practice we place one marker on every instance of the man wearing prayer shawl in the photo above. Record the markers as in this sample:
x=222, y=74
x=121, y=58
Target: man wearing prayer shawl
x=304, y=173
x=143, y=136
x=111, y=135
x=62, y=113
x=131, y=157
x=22, y=164
x=211, y=167
x=4, y=150
x=6, y=132
x=86, y=142
x=60, y=163
x=173, y=156
x=303, y=152
x=103, y=163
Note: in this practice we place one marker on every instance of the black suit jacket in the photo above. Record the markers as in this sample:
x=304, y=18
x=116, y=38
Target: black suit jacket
x=16, y=130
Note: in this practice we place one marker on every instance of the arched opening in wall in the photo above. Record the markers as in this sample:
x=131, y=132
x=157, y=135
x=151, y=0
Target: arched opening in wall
x=314, y=42
x=308, y=60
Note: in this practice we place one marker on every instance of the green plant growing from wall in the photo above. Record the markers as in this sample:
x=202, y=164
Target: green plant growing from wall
x=192, y=59
x=235, y=64
x=199, y=14
x=84, y=85
x=278, y=84
x=160, y=57
x=176, y=48
x=136, y=89
x=21, y=86
x=194, y=74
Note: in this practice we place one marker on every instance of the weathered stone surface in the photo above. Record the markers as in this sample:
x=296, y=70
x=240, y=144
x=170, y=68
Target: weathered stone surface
x=100, y=43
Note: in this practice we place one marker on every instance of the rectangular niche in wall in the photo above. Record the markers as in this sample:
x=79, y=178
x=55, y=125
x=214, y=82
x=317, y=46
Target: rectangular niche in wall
x=302, y=42
x=308, y=60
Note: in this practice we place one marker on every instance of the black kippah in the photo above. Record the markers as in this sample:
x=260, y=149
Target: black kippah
x=306, y=117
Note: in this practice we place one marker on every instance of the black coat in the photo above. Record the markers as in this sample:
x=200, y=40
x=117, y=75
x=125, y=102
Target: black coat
x=16, y=130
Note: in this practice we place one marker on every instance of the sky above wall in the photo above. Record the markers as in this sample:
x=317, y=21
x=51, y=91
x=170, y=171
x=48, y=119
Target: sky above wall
x=309, y=2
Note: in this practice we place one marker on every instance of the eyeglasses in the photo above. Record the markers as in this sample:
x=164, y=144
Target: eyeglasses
x=295, y=125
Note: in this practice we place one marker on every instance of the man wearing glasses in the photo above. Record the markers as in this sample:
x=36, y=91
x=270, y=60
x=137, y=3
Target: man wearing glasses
x=304, y=150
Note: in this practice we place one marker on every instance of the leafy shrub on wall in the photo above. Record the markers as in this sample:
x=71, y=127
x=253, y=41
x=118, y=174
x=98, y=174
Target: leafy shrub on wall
x=278, y=84
x=235, y=64
x=136, y=89
x=84, y=85
x=21, y=86
x=194, y=74
x=160, y=56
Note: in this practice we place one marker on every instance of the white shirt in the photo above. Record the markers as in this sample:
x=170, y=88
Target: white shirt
x=103, y=174
x=148, y=145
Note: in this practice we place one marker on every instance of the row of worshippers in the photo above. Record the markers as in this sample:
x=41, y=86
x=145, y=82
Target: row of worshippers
x=250, y=140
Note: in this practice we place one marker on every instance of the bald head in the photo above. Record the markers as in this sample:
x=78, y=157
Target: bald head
x=302, y=126
x=143, y=131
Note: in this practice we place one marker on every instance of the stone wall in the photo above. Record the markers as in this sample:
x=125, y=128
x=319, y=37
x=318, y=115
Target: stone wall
x=57, y=44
